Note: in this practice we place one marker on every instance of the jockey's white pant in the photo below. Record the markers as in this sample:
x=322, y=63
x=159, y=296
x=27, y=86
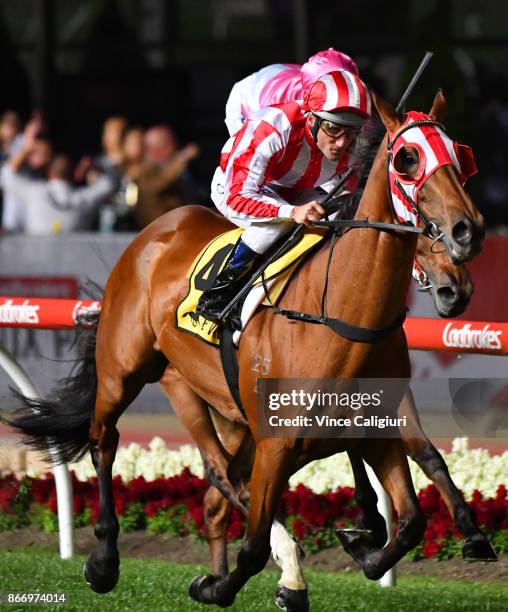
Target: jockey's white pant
x=259, y=234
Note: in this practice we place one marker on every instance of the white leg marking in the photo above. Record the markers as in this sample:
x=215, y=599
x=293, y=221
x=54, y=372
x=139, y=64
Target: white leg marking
x=286, y=554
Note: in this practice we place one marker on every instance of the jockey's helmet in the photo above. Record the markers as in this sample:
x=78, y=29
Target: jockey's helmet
x=341, y=97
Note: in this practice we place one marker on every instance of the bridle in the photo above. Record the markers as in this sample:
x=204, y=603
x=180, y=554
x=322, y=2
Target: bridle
x=430, y=229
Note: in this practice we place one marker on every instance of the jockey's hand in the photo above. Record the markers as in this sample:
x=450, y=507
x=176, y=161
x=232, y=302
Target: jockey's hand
x=313, y=211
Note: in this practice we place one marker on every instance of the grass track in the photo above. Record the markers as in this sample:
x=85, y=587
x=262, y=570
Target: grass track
x=157, y=586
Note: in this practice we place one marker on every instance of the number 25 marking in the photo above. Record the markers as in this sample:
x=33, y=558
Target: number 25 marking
x=261, y=364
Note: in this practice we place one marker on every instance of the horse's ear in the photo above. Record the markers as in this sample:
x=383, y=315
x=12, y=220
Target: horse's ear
x=438, y=110
x=387, y=113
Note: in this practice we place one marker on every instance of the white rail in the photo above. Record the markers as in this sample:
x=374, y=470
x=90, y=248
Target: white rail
x=62, y=477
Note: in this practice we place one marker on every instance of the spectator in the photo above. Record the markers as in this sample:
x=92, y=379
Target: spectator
x=10, y=141
x=132, y=152
x=160, y=175
x=34, y=165
x=50, y=204
x=108, y=162
x=10, y=134
x=127, y=195
x=113, y=132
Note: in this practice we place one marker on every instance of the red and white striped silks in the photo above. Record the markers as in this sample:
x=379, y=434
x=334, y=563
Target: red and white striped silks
x=271, y=160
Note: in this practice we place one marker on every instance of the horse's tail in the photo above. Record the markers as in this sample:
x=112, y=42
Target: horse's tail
x=59, y=428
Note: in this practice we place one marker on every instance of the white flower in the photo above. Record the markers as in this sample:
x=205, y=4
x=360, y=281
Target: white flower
x=470, y=469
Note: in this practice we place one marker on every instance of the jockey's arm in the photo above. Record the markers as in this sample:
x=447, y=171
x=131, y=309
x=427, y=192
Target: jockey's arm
x=255, y=149
x=237, y=105
x=247, y=192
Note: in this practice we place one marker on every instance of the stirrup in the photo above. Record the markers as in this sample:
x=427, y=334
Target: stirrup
x=212, y=302
x=212, y=311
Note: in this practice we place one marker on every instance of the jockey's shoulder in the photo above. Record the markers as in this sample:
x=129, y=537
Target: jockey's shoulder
x=283, y=117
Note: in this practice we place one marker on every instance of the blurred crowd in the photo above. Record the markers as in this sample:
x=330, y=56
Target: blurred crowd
x=139, y=175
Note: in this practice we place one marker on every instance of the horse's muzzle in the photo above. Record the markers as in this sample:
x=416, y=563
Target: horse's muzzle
x=451, y=300
x=466, y=240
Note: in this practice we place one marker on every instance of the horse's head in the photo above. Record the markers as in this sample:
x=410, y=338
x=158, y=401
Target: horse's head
x=427, y=172
x=451, y=285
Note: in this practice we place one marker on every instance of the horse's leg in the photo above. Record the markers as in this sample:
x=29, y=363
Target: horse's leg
x=102, y=568
x=216, y=451
x=273, y=464
x=291, y=593
x=286, y=552
x=369, y=518
x=388, y=459
x=124, y=364
x=477, y=546
x=217, y=510
x=194, y=414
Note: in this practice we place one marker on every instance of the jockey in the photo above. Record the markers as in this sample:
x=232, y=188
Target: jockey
x=280, y=83
x=270, y=170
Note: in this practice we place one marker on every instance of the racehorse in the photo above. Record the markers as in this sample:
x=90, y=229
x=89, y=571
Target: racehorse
x=137, y=339
x=451, y=290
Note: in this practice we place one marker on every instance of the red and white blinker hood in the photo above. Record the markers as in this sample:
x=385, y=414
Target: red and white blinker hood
x=435, y=149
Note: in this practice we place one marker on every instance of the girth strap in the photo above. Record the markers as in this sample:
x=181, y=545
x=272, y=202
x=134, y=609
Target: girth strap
x=354, y=333
x=230, y=365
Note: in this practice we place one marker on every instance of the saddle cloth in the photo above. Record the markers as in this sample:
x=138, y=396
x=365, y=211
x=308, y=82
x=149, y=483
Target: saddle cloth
x=209, y=263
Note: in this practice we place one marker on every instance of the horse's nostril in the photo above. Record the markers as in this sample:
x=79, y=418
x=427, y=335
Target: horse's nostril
x=447, y=294
x=463, y=231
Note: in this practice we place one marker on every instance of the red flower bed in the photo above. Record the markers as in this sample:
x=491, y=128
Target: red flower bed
x=175, y=505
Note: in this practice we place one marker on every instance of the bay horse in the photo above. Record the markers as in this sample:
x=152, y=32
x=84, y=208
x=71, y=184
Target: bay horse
x=137, y=339
x=451, y=287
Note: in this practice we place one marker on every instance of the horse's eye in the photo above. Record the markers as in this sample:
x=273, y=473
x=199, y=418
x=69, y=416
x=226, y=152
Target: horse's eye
x=405, y=160
x=409, y=158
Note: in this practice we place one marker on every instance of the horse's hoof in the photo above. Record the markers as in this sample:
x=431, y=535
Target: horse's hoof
x=479, y=548
x=99, y=577
x=375, y=525
x=290, y=600
x=371, y=567
x=357, y=543
x=206, y=590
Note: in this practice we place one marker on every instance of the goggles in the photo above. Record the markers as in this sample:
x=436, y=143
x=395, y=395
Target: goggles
x=335, y=130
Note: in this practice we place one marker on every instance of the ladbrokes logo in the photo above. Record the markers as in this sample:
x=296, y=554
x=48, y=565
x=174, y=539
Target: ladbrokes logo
x=465, y=337
x=19, y=313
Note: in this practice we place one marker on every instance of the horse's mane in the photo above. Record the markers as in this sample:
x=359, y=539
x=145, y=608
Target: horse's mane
x=366, y=149
x=363, y=157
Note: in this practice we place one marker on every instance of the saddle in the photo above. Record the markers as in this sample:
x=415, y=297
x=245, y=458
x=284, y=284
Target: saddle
x=266, y=290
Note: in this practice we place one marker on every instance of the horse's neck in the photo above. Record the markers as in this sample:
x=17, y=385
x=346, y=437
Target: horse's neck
x=370, y=269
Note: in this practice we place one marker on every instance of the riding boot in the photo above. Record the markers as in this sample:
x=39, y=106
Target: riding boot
x=228, y=282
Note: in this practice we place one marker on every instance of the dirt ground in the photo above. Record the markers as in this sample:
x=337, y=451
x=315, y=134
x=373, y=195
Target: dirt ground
x=141, y=544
